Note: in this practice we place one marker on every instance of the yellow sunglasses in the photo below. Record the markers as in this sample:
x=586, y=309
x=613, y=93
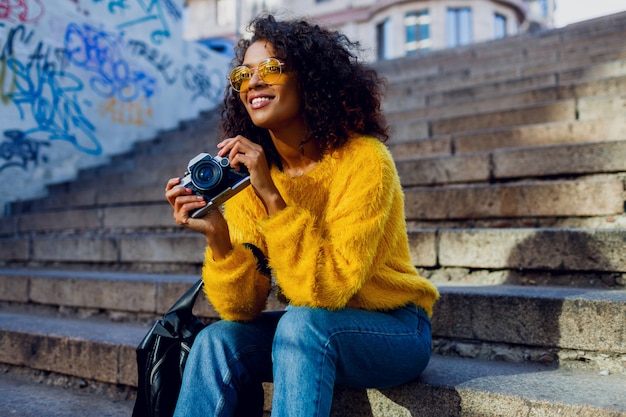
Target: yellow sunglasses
x=269, y=70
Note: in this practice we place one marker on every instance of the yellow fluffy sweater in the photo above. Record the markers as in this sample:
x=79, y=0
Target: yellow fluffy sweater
x=341, y=241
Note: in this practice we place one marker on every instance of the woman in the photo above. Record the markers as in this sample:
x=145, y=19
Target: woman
x=326, y=207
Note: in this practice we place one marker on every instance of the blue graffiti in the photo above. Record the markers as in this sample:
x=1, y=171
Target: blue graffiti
x=41, y=88
x=19, y=150
x=153, y=11
x=113, y=4
x=160, y=61
x=202, y=82
x=17, y=33
x=172, y=10
x=100, y=52
x=51, y=97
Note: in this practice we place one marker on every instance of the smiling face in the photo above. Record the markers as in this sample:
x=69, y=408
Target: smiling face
x=270, y=106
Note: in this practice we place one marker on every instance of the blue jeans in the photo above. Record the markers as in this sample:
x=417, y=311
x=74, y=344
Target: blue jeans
x=304, y=352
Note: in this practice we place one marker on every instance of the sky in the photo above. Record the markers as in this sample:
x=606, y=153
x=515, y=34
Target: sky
x=570, y=11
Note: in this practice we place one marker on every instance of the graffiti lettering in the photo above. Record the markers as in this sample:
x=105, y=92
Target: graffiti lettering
x=125, y=113
x=120, y=4
x=154, y=12
x=17, y=33
x=40, y=56
x=172, y=10
x=152, y=56
x=51, y=98
x=24, y=11
x=19, y=150
x=99, y=52
x=201, y=82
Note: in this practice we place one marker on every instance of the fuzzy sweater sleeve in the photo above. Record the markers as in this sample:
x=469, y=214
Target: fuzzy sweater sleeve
x=323, y=259
x=234, y=287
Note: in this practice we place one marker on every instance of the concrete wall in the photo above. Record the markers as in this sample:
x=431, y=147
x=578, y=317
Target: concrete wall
x=81, y=80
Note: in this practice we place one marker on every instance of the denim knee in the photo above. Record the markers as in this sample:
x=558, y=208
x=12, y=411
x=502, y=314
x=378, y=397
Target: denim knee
x=301, y=329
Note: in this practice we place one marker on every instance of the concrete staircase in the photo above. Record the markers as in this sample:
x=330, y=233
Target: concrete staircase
x=513, y=158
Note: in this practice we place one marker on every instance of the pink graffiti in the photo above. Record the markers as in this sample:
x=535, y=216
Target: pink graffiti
x=21, y=11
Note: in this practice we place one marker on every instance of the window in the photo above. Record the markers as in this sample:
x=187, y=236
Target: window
x=499, y=25
x=383, y=40
x=417, y=28
x=459, y=27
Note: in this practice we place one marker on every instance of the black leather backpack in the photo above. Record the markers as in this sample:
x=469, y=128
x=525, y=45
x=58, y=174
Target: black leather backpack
x=163, y=352
x=161, y=357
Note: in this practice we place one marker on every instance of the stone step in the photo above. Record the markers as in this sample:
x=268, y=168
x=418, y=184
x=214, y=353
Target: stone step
x=450, y=386
x=418, y=129
x=94, y=350
x=484, y=248
x=398, y=98
x=179, y=146
x=562, y=110
x=521, y=249
x=179, y=253
x=90, y=219
x=524, y=322
x=423, y=108
x=458, y=387
x=539, y=161
x=574, y=327
x=191, y=138
x=117, y=296
x=463, y=74
x=589, y=158
x=596, y=196
x=593, y=75
x=535, y=162
x=600, y=129
x=576, y=159
x=552, y=133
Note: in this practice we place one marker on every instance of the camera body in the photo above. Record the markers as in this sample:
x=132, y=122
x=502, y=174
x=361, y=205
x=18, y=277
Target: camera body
x=213, y=179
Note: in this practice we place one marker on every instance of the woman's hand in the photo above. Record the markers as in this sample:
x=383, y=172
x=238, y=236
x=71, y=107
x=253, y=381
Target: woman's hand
x=245, y=152
x=213, y=225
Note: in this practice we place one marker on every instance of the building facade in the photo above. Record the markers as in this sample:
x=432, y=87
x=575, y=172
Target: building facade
x=387, y=29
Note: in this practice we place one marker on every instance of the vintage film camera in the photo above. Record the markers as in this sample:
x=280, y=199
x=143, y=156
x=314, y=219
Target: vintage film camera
x=214, y=180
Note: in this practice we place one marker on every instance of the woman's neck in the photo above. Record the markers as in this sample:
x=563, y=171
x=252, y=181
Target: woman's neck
x=298, y=155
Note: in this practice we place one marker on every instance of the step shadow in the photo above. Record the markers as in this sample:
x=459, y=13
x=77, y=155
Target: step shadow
x=558, y=256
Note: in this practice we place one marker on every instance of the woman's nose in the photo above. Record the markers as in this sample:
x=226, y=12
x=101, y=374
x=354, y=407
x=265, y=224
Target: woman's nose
x=255, y=79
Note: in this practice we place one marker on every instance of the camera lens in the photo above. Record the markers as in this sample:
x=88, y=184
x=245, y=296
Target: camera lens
x=206, y=174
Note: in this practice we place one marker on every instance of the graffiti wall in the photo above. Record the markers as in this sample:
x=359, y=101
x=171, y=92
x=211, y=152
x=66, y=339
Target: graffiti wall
x=81, y=80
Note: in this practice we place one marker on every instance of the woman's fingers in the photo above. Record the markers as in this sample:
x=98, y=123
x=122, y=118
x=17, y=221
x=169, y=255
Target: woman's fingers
x=173, y=190
x=238, y=145
x=184, y=204
x=182, y=200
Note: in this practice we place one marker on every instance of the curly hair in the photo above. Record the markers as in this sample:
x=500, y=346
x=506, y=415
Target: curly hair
x=341, y=96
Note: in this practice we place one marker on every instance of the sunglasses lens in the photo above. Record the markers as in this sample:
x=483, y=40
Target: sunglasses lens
x=239, y=78
x=270, y=70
